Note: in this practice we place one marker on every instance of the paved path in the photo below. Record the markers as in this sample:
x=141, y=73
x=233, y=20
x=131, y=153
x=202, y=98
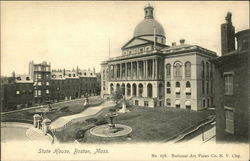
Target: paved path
x=22, y=132
x=62, y=121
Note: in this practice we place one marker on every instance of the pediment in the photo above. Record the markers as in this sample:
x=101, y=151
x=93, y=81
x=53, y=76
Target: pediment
x=135, y=42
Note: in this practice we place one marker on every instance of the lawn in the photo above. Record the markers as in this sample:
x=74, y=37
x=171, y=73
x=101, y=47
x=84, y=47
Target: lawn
x=72, y=107
x=148, y=124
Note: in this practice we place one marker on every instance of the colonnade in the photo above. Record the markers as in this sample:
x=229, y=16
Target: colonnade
x=135, y=70
x=138, y=89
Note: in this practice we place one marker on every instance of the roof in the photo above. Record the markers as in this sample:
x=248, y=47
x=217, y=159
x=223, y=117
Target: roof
x=186, y=47
x=146, y=27
x=23, y=78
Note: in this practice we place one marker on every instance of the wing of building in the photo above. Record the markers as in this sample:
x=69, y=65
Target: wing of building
x=232, y=75
x=152, y=74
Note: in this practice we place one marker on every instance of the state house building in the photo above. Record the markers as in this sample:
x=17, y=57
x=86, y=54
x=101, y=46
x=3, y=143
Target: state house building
x=152, y=74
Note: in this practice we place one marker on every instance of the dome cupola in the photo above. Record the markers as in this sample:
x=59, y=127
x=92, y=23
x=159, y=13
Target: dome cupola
x=149, y=26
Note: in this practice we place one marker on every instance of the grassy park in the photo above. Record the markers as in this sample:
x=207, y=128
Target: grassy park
x=148, y=124
x=60, y=109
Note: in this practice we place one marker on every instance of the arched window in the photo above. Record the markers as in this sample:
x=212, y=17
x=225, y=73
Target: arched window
x=128, y=90
x=140, y=89
x=111, y=88
x=202, y=69
x=117, y=87
x=123, y=89
x=150, y=92
x=134, y=89
x=188, y=85
x=168, y=70
x=168, y=88
x=188, y=69
x=177, y=69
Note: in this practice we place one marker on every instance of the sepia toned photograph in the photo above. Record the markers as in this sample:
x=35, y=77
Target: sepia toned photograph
x=125, y=80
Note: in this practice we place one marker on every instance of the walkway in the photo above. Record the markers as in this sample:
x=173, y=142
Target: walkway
x=12, y=131
x=63, y=121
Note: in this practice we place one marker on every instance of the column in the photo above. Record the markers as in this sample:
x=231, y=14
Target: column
x=115, y=71
x=146, y=73
x=144, y=69
x=109, y=73
x=131, y=71
x=125, y=88
x=137, y=70
x=126, y=71
x=156, y=70
x=120, y=71
x=153, y=70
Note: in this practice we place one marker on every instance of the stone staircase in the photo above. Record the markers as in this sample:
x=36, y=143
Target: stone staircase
x=35, y=134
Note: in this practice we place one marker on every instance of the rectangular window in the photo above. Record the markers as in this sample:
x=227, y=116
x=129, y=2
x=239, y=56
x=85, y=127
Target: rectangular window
x=229, y=116
x=146, y=103
x=168, y=90
x=39, y=92
x=228, y=80
x=168, y=102
x=178, y=106
x=39, y=76
x=47, y=91
x=204, y=103
x=188, y=107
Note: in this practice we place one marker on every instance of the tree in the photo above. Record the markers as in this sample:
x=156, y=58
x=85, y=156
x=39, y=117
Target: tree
x=117, y=96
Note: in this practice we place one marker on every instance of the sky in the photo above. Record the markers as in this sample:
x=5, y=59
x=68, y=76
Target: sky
x=70, y=34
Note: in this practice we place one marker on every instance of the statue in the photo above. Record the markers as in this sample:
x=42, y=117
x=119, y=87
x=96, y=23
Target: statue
x=124, y=107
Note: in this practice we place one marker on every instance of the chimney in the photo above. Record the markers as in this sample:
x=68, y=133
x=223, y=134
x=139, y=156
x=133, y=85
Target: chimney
x=227, y=35
x=173, y=43
x=182, y=41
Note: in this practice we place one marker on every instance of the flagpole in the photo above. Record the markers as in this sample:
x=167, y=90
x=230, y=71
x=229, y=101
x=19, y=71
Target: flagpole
x=109, y=47
x=154, y=39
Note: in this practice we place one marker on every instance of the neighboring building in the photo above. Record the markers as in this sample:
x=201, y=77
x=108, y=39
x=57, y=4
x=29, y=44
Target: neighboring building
x=43, y=86
x=152, y=73
x=58, y=85
x=71, y=84
x=88, y=82
x=17, y=92
x=232, y=75
x=41, y=74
